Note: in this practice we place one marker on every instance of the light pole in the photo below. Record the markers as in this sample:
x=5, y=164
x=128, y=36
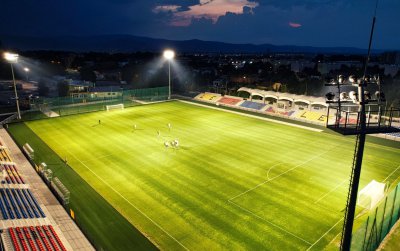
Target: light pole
x=13, y=58
x=169, y=55
x=26, y=69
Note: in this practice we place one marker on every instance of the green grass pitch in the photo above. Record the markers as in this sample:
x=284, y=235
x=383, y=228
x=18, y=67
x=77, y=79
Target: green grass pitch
x=234, y=182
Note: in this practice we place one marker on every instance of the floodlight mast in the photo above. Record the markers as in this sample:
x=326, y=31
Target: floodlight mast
x=27, y=70
x=13, y=58
x=169, y=55
x=357, y=162
x=361, y=132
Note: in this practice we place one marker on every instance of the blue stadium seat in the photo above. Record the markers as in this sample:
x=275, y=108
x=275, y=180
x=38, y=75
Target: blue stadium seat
x=21, y=207
x=252, y=105
x=25, y=204
x=11, y=198
x=3, y=195
x=36, y=203
x=30, y=203
x=3, y=211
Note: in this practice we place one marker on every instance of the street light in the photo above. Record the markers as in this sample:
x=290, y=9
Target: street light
x=169, y=55
x=26, y=69
x=12, y=58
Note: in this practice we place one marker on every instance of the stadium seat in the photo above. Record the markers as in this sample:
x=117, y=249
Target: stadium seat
x=14, y=206
x=270, y=110
x=57, y=238
x=25, y=203
x=30, y=238
x=313, y=116
x=21, y=207
x=14, y=240
x=7, y=204
x=43, y=237
x=252, y=105
x=208, y=97
x=21, y=238
x=3, y=211
x=50, y=237
x=16, y=173
x=30, y=204
x=36, y=203
x=229, y=101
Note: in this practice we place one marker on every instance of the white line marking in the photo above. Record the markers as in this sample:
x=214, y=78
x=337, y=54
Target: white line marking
x=330, y=191
x=334, y=238
x=391, y=174
x=130, y=203
x=254, y=116
x=324, y=234
x=273, y=224
x=272, y=168
x=291, y=169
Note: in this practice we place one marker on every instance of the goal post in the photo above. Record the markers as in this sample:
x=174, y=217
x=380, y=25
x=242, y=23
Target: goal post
x=371, y=194
x=114, y=107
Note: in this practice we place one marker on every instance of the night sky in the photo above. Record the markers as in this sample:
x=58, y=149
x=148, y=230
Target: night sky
x=280, y=22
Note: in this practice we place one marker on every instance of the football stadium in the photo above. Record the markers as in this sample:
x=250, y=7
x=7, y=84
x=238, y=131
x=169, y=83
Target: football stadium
x=200, y=125
x=213, y=172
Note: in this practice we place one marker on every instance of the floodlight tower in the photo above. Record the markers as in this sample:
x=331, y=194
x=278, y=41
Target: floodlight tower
x=169, y=55
x=358, y=123
x=12, y=58
x=26, y=70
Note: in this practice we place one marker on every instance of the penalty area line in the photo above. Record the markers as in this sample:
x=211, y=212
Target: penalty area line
x=333, y=189
x=130, y=203
x=324, y=234
x=291, y=169
x=391, y=174
x=269, y=222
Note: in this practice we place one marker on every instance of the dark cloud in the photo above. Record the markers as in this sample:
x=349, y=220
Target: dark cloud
x=324, y=22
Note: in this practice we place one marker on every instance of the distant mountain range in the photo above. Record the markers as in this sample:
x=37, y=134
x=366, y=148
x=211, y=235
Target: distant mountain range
x=128, y=43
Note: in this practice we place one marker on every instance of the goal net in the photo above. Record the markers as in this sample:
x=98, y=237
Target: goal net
x=370, y=195
x=115, y=107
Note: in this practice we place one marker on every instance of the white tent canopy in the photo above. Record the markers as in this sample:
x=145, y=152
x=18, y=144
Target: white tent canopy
x=311, y=100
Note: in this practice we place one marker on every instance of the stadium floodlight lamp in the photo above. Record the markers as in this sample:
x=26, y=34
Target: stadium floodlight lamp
x=380, y=96
x=341, y=79
x=26, y=70
x=332, y=81
x=330, y=96
x=344, y=96
x=169, y=55
x=353, y=96
x=11, y=57
x=352, y=79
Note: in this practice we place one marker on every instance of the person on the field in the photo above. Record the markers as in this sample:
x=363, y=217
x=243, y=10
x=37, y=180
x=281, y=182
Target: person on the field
x=99, y=121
